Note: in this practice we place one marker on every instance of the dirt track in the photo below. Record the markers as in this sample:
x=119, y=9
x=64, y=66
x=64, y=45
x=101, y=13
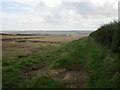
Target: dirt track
x=74, y=77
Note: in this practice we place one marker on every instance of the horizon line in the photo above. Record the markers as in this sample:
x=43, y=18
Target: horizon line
x=51, y=30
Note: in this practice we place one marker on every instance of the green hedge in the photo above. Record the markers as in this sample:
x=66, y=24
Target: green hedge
x=109, y=35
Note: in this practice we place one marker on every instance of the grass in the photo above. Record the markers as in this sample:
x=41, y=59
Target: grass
x=103, y=67
x=70, y=55
x=46, y=82
x=12, y=69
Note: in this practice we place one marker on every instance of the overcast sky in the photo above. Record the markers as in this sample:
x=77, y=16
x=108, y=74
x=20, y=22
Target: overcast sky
x=56, y=14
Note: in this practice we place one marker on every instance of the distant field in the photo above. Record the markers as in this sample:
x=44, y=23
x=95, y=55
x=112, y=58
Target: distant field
x=60, y=39
x=50, y=33
x=18, y=36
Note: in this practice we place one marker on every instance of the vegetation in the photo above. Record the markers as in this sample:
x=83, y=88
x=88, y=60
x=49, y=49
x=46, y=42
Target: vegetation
x=46, y=82
x=109, y=35
x=102, y=64
x=70, y=55
x=103, y=67
x=99, y=53
x=12, y=75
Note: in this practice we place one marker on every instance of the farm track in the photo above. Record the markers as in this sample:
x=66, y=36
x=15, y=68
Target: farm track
x=73, y=77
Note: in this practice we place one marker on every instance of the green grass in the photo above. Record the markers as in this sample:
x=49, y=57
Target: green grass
x=102, y=65
x=12, y=71
x=46, y=82
x=71, y=54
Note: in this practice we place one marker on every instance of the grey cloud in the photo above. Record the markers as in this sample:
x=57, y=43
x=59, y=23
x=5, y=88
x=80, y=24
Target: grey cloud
x=89, y=9
x=85, y=9
x=71, y=15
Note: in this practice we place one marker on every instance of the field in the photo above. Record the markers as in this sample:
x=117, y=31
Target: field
x=61, y=39
x=16, y=46
x=57, y=62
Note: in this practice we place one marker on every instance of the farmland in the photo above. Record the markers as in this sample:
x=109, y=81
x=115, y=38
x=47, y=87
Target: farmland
x=17, y=47
x=57, y=62
x=60, y=39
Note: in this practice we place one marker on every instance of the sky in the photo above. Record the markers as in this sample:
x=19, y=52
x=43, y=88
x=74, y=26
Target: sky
x=56, y=14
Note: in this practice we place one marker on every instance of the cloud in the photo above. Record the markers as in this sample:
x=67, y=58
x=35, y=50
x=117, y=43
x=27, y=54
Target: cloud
x=57, y=14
